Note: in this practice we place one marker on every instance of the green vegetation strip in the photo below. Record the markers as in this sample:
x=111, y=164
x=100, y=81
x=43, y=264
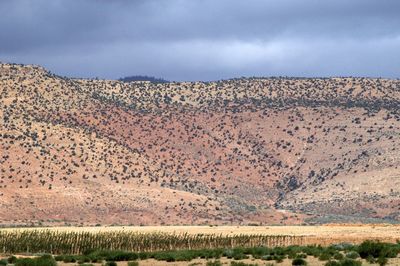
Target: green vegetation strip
x=335, y=255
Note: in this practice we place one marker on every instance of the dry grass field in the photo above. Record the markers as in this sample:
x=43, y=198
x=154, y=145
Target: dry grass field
x=319, y=234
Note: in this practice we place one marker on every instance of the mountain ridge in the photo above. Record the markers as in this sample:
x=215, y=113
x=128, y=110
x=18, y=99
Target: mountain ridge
x=236, y=151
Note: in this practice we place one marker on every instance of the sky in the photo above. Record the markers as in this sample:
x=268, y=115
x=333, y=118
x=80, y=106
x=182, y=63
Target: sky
x=203, y=39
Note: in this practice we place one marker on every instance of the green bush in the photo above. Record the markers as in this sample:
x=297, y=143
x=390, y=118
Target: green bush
x=45, y=260
x=240, y=256
x=235, y=263
x=267, y=257
x=378, y=249
x=12, y=259
x=144, y=255
x=86, y=264
x=229, y=253
x=325, y=256
x=382, y=261
x=332, y=263
x=338, y=256
x=214, y=263
x=258, y=252
x=299, y=262
x=342, y=246
x=279, y=258
x=350, y=262
x=301, y=256
x=67, y=258
x=110, y=263
x=3, y=262
x=83, y=259
x=352, y=255
x=59, y=258
x=370, y=259
x=112, y=255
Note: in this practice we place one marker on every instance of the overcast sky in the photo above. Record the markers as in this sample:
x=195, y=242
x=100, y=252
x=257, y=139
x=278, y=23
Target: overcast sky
x=203, y=39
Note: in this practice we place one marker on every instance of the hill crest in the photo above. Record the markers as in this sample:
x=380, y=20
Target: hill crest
x=240, y=151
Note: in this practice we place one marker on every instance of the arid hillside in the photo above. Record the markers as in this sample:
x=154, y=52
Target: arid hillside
x=242, y=151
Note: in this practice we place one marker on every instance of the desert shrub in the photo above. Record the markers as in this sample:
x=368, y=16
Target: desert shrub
x=59, y=258
x=235, y=263
x=133, y=263
x=228, y=253
x=343, y=246
x=257, y=252
x=40, y=261
x=66, y=258
x=186, y=255
x=370, y=259
x=25, y=262
x=299, y=262
x=378, y=249
x=12, y=259
x=332, y=263
x=301, y=256
x=112, y=255
x=325, y=256
x=382, y=261
x=314, y=251
x=144, y=255
x=352, y=255
x=83, y=259
x=350, y=262
x=110, y=263
x=165, y=256
x=338, y=256
x=214, y=263
x=236, y=253
x=279, y=258
x=267, y=257
x=240, y=256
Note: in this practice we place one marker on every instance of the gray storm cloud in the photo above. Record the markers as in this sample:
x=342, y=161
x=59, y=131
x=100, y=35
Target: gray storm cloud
x=203, y=39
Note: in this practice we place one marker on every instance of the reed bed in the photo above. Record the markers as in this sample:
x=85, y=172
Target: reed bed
x=64, y=242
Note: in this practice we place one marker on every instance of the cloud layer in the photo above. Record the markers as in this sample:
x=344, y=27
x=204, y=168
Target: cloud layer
x=203, y=39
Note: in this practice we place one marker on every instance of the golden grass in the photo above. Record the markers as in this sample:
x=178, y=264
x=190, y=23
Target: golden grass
x=321, y=234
